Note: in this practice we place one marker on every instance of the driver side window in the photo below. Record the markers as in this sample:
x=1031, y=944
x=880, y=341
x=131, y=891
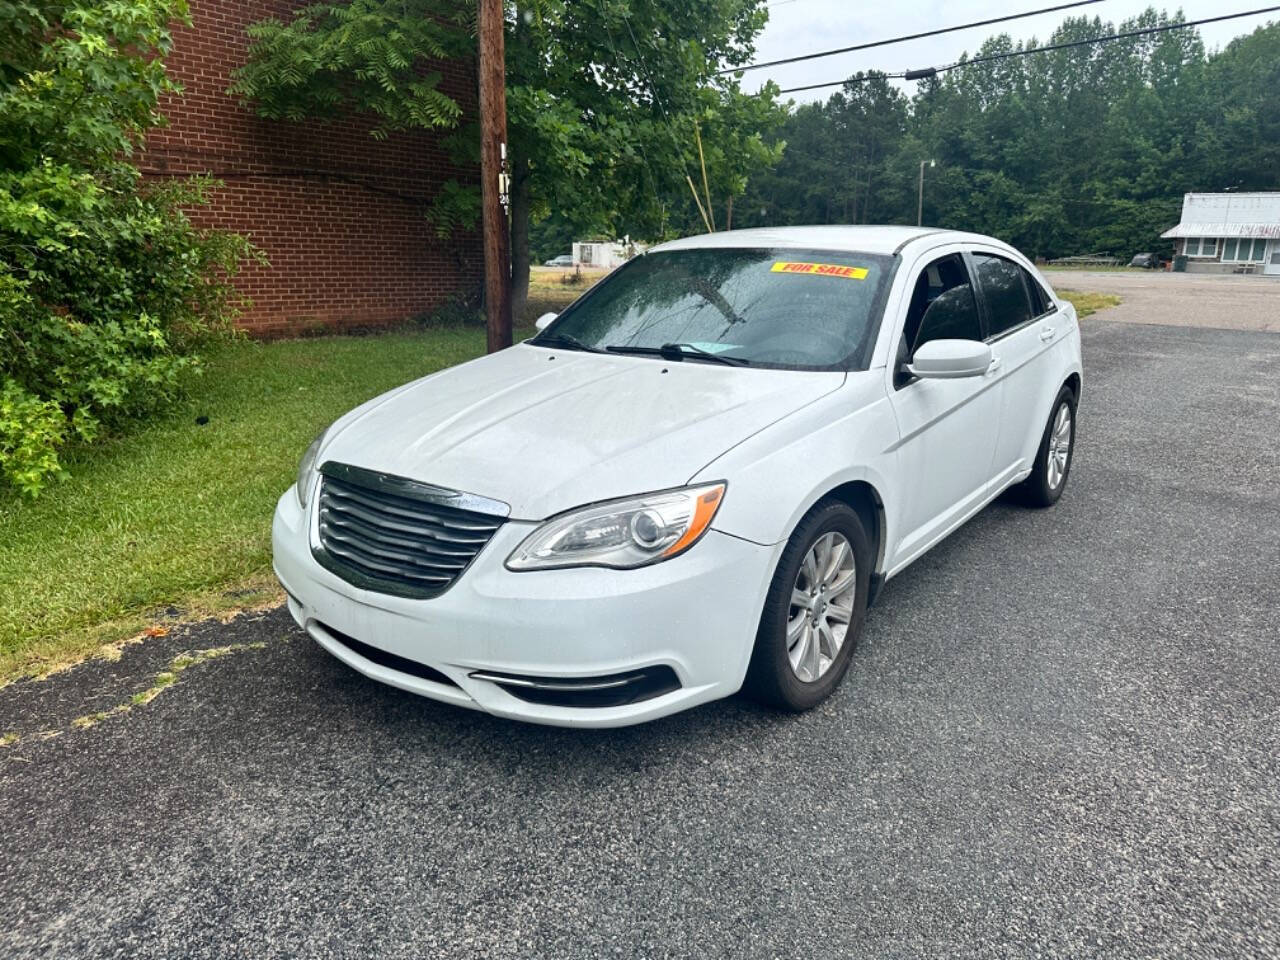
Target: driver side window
x=942, y=306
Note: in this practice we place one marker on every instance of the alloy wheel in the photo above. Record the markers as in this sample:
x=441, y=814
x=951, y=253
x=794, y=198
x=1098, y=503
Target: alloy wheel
x=1059, y=447
x=821, y=606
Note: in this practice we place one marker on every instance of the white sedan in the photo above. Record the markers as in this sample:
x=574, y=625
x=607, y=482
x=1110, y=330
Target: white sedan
x=692, y=481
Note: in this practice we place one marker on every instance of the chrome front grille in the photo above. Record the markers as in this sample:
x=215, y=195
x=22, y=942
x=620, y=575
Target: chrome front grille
x=398, y=536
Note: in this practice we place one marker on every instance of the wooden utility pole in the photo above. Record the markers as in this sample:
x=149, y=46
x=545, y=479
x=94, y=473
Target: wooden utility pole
x=491, y=21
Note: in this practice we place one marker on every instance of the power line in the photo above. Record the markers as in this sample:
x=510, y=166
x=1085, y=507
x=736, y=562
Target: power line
x=653, y=87
x=914, y=36
x=1118, y=36
x=933, y=71
x=841, y=83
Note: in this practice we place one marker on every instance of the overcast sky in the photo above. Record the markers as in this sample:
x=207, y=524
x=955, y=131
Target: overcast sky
x=804, y=26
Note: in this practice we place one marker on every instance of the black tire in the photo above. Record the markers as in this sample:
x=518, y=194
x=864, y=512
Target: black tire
x=770, y=677
x=1038, y=490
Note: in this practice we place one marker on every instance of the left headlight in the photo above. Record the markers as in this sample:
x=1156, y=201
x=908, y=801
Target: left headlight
x=623, y=534
x=306, y=471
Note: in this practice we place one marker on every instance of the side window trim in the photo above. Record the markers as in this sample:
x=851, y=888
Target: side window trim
x=984, y=317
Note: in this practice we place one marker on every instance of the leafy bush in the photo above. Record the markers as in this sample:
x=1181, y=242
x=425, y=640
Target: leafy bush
x=106, y=287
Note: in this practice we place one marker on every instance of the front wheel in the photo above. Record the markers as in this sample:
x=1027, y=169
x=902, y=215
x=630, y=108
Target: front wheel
x=814, y=611
x=1053, y=459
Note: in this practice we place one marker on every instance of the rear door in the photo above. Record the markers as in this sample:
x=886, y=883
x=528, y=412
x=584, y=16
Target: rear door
x=1022, y=325
x=947, y=428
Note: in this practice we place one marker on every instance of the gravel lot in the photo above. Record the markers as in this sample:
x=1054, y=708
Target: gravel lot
x=1227, y=302
x=1060, y=738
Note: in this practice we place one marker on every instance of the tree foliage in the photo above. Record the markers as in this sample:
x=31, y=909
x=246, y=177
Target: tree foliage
x=602, y=100
x=1065, y=152
x=105, y=286
x=331, y=58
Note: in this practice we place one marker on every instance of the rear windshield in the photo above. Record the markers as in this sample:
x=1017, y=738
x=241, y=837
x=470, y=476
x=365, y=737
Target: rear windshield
x=799, y=309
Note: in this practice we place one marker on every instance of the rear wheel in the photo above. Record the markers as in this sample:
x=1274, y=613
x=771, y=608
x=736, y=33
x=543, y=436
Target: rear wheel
x=814, y=611
x=1053, y=460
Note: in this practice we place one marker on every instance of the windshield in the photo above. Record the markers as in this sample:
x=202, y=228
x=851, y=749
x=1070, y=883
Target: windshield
x=800, y=309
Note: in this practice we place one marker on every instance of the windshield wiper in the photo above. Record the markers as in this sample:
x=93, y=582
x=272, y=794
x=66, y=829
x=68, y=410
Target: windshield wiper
x=687, y=348
x=681, y=351
x=565, y=341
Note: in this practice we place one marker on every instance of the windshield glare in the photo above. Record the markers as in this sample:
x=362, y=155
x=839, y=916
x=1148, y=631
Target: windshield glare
x=800, y=309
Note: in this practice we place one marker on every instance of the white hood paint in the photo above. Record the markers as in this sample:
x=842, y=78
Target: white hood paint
x=547, y=430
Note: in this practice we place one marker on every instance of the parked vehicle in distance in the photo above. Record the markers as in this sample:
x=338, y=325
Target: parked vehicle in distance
x=694, y=479
x=1148, y=261
x=564, y=260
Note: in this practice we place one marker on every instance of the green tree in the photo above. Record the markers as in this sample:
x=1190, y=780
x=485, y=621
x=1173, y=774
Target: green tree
x=1083, y=149
x=602, y=97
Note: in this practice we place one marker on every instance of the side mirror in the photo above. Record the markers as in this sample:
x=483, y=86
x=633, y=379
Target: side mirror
x=950, y=360
x=544, y=321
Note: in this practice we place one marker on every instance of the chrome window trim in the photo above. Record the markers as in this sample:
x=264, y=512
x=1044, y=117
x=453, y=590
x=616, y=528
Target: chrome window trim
x=1022, y=326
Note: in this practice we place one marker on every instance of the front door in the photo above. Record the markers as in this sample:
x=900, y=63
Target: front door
x=1272, y=266
x=947, y=428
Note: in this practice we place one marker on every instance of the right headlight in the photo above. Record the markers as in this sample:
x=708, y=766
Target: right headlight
x=623, y=534
x=307, y=471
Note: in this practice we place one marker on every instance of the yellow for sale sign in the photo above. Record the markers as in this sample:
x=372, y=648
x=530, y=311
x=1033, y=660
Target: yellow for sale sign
x=821, y=269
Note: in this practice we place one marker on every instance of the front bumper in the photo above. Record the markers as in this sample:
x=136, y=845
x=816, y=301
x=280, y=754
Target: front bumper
x=696, y=615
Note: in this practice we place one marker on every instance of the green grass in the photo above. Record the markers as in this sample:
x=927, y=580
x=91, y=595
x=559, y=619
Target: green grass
x=1089, y=303
x=175, y=513
x=553, y=290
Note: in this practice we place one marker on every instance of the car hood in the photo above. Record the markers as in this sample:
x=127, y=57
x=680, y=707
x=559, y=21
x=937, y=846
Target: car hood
x=546, y=430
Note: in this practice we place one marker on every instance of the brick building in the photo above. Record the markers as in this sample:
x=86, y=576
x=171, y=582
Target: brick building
x=339, y=215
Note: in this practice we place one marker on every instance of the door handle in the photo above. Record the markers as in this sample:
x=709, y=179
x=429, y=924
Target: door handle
x=1047, y=334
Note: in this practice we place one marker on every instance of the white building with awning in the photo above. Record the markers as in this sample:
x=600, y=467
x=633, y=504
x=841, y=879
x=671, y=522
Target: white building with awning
x=1229, y=233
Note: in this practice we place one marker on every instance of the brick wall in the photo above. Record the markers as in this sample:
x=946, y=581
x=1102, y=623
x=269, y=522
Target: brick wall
x=338, y=214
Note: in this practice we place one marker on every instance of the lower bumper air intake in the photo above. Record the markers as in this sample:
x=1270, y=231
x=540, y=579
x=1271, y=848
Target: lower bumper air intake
x=613, y=690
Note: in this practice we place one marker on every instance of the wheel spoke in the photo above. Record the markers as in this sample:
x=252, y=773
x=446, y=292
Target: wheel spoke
x=800, y=598
x=809, y=569
x=799, y=654
x=842, y=584
x=838, y=557
x=828, y=638
x=811, y=654
x=822, y=556
x=840, y=613
x=795, y=626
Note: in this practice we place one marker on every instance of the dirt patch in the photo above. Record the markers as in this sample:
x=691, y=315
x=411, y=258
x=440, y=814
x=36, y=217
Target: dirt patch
x=1182, y=299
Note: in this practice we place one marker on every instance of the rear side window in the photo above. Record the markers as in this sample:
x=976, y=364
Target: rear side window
x=1005, y=291
x=1041, y=302
x=942, y=306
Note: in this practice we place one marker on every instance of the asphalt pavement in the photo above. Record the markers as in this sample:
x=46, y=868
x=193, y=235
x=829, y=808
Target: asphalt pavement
x=1060, y=737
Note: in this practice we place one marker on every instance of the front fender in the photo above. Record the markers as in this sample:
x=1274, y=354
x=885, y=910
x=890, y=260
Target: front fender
x=776, y=476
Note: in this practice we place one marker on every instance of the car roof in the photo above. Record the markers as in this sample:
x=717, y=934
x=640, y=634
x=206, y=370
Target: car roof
x=854, y=239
